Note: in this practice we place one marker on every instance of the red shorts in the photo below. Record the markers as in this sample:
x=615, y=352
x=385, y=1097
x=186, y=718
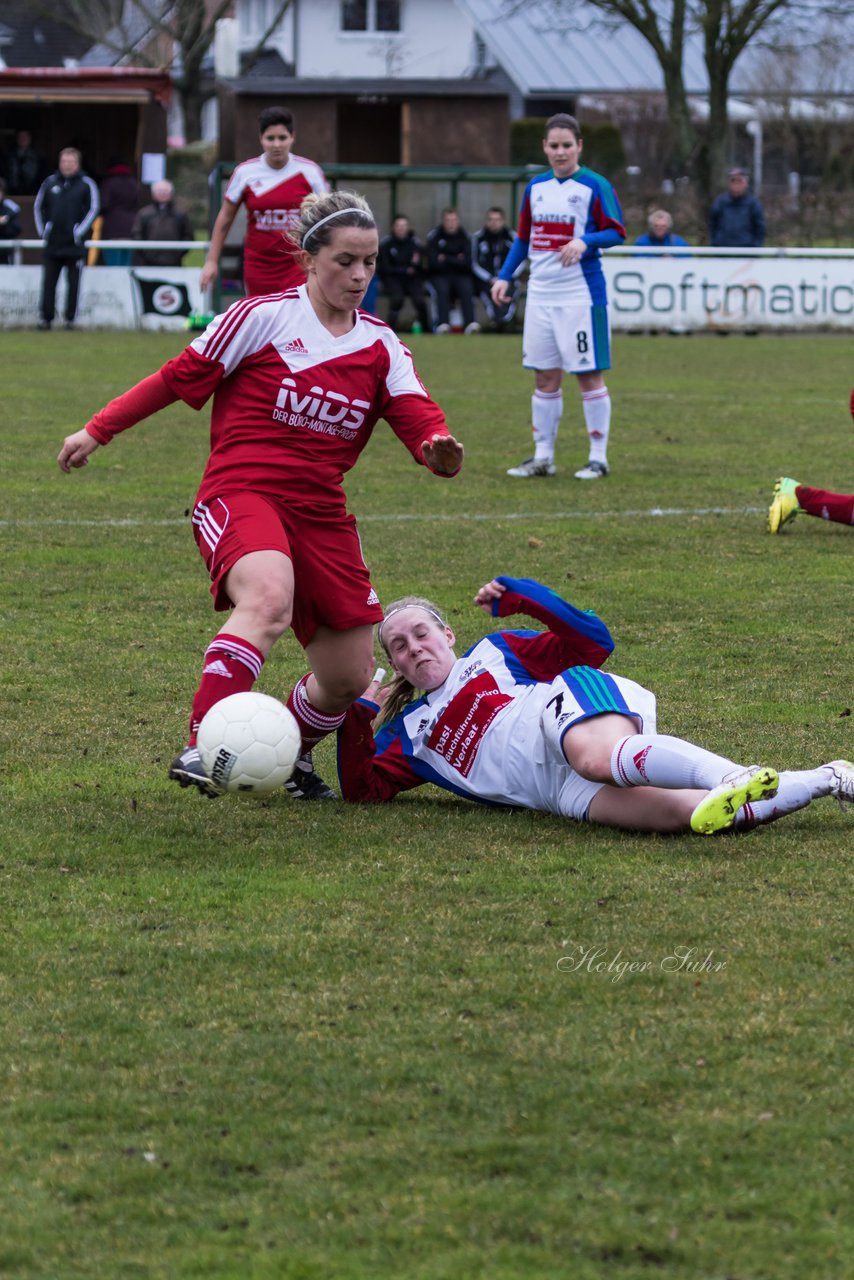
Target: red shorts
x=332, y=587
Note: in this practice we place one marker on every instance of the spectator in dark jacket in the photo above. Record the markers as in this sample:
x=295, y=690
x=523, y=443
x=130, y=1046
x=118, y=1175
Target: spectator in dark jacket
x=161, y=220
x=736, y=219
x=449, y=264
x=119, y=205
x=400, y=267
x=489, y=248
x=23, y=167
x=64, y=209
x=10, y=222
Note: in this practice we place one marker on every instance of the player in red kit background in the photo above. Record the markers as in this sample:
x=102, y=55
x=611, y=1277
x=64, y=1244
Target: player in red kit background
x=299, y=380
x=791, y=497
x=272, y=186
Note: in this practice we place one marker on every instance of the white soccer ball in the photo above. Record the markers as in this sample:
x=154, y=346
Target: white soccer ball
x=249, y=743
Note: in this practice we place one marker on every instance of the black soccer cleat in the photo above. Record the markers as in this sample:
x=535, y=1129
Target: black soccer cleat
x=187, y=770
x=305, y=784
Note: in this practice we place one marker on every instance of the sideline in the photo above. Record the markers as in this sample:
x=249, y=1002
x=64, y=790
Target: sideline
x=133, y=522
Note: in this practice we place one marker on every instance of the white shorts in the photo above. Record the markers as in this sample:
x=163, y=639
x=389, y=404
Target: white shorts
x=576, y=695
x=575, y=339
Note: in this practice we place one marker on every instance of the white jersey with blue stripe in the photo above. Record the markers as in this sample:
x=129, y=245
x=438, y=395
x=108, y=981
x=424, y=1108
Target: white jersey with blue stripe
x=555, y=211
x=481, y=733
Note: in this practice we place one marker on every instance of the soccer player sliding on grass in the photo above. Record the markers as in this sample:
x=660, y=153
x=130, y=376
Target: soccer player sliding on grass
x=298, y=381
x=527, y=718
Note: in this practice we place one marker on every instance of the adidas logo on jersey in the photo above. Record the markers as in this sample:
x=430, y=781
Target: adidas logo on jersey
x=373, y=598
x=296, y=344
x=217, y=669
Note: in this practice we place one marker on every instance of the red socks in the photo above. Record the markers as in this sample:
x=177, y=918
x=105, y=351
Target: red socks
x=231, y=666
x=313, y=724
x=838, y=507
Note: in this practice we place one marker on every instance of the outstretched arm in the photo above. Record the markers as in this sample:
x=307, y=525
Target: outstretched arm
x=371, y=770
x=140, y=402
x=574, y=637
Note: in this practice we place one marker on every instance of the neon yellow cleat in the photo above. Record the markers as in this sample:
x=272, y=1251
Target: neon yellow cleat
x=784, y=505
x=717, y=812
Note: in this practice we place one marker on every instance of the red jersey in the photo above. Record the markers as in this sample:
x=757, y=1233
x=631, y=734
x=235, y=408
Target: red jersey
x=272, y=198
x=294, y=406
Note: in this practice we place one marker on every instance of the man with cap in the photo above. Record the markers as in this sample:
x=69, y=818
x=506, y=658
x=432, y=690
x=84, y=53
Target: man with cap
x=736, y=219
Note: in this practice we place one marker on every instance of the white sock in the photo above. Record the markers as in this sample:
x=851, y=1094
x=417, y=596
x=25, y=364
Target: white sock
x=658, y=760
x=546, y=409
x=597, y=419
x=797, y=788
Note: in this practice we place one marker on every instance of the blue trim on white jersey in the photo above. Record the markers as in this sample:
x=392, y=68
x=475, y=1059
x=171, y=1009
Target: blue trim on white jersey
x=581, y=620
x=513, y=663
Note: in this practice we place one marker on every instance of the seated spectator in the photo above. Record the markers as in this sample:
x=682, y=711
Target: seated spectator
x=119, y=205
x=449, y=265
x=23, y=167
x=161, y=220
x=490, y=247
x=10, y=223
x=400, y=268
x=660, y=232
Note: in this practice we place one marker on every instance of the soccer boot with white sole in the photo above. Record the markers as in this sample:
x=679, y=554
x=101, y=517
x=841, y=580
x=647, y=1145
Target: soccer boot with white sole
x=718, y=810
x=593, y=471
x=843, y=782
x=188, y=771
x=533, y=467
x=784, y=504
x=305, y=784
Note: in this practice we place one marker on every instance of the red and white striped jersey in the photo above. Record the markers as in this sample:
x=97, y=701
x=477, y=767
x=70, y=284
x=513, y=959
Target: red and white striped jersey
x=294, y=406
x=272, y=198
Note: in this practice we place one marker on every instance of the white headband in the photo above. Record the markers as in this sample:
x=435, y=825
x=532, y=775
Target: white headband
x=433, y=614
x=337, y=214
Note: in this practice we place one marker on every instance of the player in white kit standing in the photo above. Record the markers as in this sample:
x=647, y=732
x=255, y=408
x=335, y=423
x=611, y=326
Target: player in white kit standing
x=568, y=216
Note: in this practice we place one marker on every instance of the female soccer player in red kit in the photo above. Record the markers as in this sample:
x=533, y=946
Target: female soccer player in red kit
x=298, y=380
x=272, y=186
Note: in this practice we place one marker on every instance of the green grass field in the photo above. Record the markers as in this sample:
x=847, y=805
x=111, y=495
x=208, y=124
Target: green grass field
x=289, y=1042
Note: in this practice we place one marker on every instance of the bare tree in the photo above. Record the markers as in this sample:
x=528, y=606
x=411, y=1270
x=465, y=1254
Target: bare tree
x=726, y=29
x=177, y=35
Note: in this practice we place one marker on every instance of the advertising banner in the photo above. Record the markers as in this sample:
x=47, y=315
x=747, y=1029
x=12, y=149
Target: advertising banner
x=110, y=297
x=692, y=292
x=687, y=292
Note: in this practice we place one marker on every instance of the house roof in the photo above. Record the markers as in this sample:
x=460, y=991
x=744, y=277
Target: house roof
x=70, y=84
x=33, y=40
x=134, y=30
x=543, y=56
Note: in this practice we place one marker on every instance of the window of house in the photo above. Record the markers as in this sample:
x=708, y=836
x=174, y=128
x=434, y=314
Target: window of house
x=370, y=15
